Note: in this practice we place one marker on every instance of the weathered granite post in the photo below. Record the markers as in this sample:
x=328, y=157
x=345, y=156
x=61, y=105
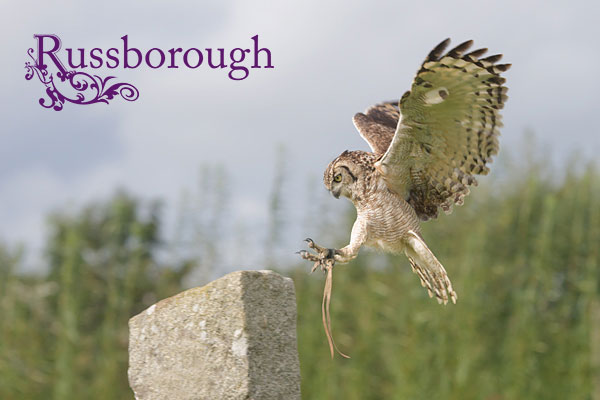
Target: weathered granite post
x=234, y=338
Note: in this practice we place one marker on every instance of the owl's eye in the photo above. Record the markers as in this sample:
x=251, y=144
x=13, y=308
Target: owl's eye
x=337, y=178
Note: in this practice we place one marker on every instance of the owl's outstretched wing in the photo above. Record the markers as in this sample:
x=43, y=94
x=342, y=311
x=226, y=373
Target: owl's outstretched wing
x=378, y=124
x=448, y=129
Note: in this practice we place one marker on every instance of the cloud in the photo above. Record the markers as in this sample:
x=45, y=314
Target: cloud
x=332, y=59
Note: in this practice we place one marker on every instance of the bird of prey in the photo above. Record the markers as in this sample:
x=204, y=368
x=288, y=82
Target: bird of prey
x=426, y=149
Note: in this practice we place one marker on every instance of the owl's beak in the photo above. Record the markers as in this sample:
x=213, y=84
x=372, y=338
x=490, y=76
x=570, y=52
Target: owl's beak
x=336, y=193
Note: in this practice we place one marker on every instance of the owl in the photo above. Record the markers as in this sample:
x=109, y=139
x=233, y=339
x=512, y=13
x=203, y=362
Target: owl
x=426, y=150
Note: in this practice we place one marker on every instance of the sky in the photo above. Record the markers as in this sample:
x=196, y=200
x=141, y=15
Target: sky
x=332, y=59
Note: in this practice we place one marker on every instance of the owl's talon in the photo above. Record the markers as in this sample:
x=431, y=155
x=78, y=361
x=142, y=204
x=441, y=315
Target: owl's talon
x=308, y=256
x=314, y=246
x=324, y=258
x=317, y=265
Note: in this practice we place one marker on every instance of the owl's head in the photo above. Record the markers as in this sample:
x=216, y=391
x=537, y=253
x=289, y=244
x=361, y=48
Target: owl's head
x=345, y=175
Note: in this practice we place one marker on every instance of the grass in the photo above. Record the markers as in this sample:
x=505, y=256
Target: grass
x=523, y=255
x=524, y=261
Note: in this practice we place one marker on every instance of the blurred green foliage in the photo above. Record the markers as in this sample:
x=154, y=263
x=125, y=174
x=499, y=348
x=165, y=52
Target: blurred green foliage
x=523, y=255
x=64, y=335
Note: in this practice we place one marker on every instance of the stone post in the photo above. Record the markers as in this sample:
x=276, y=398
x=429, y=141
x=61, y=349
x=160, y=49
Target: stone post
x=234, y=338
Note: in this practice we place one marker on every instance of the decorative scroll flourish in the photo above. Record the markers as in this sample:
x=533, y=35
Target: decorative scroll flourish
x=89, y=89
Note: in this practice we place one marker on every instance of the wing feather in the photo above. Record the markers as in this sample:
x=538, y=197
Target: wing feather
x=448, y=130
x=378, y=125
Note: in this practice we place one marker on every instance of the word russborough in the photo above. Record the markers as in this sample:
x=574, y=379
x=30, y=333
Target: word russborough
x=75, y=85
x=127, y=56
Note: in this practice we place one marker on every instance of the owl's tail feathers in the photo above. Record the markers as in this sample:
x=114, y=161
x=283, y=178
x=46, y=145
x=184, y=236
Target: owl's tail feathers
x=431, y=272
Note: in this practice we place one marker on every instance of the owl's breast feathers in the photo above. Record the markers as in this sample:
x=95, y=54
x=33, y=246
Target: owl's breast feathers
x=388, y=217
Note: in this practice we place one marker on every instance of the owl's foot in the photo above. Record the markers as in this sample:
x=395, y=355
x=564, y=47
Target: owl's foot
x=436, y=282
x=431, y=272
x=323, y=258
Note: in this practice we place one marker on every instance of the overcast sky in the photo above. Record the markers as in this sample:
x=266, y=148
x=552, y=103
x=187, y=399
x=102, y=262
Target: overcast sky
x=331, y=60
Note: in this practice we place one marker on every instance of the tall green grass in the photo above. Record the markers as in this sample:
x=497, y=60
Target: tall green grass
x=524, y=259
x=64, y=335
x=523, y=255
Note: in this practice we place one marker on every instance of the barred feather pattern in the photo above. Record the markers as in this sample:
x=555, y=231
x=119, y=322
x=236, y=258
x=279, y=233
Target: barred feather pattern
x=448, y=129
x=426, y=150
x=378, y=124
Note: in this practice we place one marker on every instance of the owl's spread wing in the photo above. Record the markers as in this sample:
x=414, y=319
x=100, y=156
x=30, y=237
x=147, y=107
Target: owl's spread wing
x=448, y=129
x=378, y=124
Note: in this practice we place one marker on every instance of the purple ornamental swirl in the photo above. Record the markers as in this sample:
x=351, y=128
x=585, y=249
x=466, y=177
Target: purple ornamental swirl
x=89, y=89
